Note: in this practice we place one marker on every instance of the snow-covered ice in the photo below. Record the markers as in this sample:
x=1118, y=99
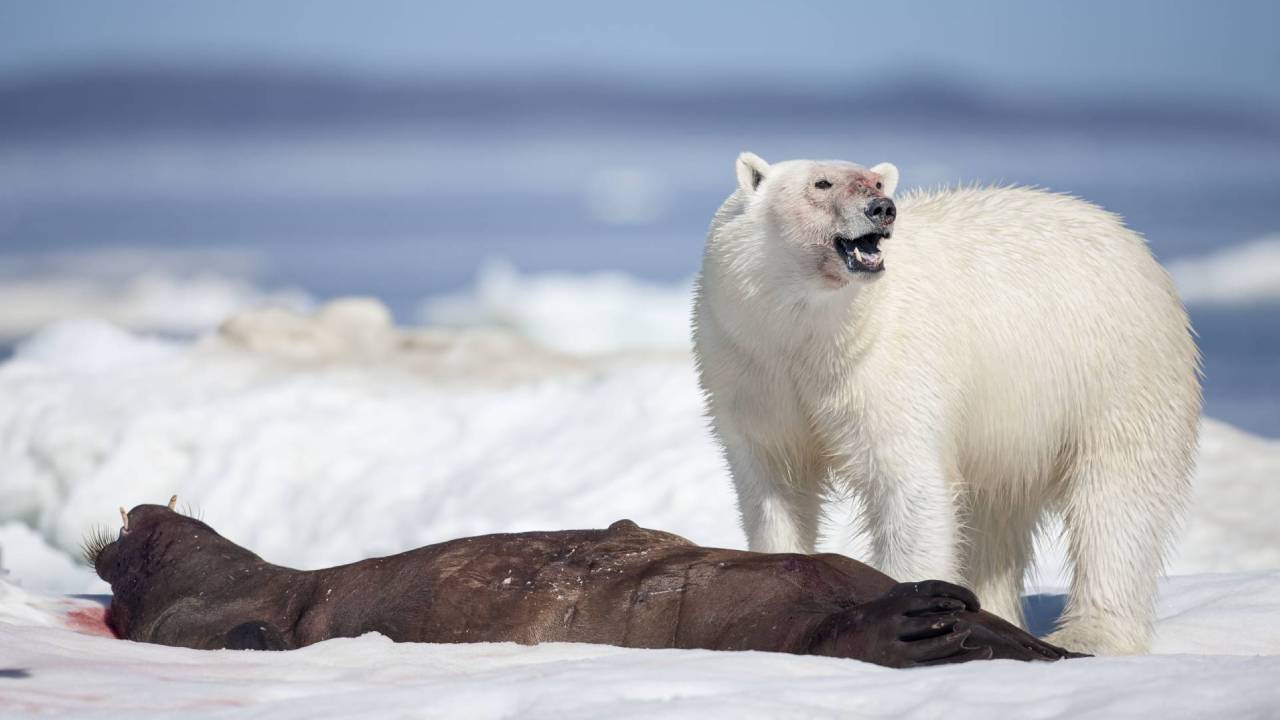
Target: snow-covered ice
x=337, y=456
x=53, y=670
x=594, y=313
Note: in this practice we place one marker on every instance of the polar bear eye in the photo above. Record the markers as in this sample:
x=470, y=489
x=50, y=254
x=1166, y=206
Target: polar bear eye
x=822, y=184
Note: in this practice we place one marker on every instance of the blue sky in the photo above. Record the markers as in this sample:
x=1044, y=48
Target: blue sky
x=1223, y=50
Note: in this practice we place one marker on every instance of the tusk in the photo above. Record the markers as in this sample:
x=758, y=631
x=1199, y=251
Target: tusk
x=125, y=517
x=173, y=502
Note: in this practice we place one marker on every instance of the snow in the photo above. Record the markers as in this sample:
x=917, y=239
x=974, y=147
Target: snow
x=596, y=313
x=326, y=456
x=319, y=463
x=57, y=670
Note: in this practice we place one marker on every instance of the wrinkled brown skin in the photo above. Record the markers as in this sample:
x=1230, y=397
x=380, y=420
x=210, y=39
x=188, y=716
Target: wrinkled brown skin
x=177, y=582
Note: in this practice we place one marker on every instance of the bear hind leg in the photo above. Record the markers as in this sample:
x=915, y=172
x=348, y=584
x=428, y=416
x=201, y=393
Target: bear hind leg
x=1121, y=506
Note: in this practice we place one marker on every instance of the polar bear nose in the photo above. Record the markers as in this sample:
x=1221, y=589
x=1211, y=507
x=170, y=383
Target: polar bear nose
x=882, y=211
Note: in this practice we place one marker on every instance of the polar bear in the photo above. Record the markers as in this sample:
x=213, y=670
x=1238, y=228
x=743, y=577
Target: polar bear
x=964, y=361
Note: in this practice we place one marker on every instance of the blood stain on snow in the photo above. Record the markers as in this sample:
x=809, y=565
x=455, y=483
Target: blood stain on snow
x=90, y=621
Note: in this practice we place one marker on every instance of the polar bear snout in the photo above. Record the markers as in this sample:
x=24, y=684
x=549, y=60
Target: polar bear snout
x=881, y=211
x=860, y=252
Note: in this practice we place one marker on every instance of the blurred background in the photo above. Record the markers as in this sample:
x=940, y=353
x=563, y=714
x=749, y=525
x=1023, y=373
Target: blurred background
x=552, y=167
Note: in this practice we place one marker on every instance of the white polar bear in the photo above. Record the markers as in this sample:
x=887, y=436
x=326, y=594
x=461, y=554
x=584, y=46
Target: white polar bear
x=964, y=362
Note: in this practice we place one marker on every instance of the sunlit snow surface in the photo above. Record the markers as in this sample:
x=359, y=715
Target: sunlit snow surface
x=49, y=669
x=335, y=457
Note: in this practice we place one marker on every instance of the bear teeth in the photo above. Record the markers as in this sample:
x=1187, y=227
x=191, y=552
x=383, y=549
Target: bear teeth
x=862, y=254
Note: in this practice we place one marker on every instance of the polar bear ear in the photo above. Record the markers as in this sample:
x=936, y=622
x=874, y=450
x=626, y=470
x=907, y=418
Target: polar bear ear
x=888, y=173
x=751, y=171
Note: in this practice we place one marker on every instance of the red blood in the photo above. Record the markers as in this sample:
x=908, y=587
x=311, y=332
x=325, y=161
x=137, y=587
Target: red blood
x=90, y=621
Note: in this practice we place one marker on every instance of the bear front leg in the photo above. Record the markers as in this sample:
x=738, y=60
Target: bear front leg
x=998, y=544
x=779, y=514
x=911, y=514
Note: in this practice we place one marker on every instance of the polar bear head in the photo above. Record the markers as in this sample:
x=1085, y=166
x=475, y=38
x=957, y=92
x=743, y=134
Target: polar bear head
x=824, y=219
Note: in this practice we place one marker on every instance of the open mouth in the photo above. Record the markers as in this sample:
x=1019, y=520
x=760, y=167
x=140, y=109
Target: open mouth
x=861, y=254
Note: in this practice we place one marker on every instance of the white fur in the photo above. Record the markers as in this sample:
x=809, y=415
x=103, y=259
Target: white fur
x=1022, y=352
